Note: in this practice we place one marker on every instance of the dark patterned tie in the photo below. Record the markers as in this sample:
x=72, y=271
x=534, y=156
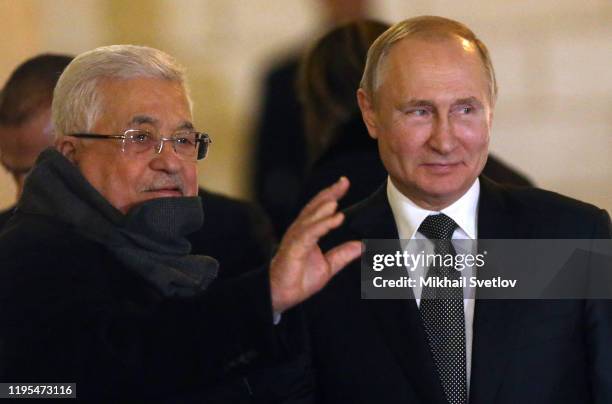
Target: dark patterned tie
x=442, y=313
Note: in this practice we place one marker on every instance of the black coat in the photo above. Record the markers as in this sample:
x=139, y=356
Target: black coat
x=5, y=215
x=237, y=233
x=71, y=313
x=524, y=351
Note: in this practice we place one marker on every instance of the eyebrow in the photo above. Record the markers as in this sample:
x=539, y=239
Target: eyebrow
x=146, y=119
x=427, y=103
x=185, y=125
x=468, y=100
x=143, y=119
x=416, y=103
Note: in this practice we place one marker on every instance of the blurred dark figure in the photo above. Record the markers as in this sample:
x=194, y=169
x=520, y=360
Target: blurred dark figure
x=337, y=139
x=25, y=116
x=281, y=157
x=336, y=136
x=237, y=233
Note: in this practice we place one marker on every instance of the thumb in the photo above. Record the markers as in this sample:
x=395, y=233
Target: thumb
x=340, y=256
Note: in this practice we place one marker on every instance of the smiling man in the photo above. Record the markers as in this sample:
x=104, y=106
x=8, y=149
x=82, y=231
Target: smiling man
x=427, y=96
x=97, y=283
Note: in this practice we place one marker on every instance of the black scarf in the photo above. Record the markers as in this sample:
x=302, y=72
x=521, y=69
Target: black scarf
x=149, y=239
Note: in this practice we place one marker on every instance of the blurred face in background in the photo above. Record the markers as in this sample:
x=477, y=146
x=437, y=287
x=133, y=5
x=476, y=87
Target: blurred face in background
x=125, y=180
x=431, y=117
x=21, y=145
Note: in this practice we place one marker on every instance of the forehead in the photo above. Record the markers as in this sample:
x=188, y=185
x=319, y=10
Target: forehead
x=435, y=67
x=163, y=100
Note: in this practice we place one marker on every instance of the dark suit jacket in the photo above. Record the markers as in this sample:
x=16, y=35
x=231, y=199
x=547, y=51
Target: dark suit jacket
x=280, y=150
x=237, y=233
x=5, y=215
x=524, y=351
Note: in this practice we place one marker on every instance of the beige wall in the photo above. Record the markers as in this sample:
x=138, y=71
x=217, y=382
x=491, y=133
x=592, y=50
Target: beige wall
x=553, y=118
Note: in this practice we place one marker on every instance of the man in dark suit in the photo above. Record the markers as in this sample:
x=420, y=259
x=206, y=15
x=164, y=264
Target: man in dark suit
x=427, y=96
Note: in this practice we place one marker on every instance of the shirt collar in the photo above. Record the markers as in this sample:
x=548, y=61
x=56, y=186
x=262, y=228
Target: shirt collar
x=409, y=216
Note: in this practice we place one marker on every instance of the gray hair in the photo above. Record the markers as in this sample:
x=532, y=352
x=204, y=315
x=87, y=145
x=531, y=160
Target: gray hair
x=425, y=27
x=77, y=104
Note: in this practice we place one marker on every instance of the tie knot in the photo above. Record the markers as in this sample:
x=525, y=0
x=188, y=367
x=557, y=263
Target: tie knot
x=438, y=227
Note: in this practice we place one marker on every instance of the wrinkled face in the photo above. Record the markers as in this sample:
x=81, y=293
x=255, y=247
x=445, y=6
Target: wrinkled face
x=432, y=117
x=21, y=145
x=158, y=106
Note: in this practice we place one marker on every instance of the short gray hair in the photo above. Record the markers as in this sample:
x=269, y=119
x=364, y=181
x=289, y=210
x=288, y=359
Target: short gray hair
x=425, y=27
x=76, y=101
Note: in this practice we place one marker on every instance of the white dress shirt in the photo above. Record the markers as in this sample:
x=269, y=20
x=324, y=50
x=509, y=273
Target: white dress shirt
x=409, y=216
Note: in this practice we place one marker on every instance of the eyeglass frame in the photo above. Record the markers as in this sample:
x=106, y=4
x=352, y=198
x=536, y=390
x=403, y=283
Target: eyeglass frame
x=201, y=138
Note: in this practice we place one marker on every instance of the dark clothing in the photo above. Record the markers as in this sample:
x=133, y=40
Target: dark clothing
x=523, y=351
x=115, y=303
x=355, y=155
x=501, y=173
x=280, y=150
x=237, y=233
x=71, y=312
x=5, y=215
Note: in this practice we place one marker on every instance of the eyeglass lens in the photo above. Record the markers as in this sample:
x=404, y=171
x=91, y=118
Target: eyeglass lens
x=188, y=145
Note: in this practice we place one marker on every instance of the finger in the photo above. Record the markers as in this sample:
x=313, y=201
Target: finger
x=340, y=256
x=299, y=242
x=323, y=211
x=312, y=233
x=333, y=192
x=302, y=240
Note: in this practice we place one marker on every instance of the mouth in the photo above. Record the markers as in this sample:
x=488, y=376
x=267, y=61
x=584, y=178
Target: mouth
x=165, y=191
x=441, y=168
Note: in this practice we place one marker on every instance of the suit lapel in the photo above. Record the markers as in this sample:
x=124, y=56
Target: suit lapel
x=493, y=319
x=399, y=321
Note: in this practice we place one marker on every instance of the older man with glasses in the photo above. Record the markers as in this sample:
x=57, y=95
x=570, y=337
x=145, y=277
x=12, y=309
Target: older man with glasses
x=97, y=285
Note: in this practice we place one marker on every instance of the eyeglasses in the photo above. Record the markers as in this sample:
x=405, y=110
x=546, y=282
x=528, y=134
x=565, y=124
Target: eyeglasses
x=188, y=145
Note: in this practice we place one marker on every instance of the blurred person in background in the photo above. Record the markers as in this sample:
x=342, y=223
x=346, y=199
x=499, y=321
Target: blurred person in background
x=338, y=141
x=280, y=152
x=25, y=116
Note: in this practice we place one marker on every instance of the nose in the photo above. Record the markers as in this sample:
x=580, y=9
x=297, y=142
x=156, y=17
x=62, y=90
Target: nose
x=442, y=138
x=165, y=158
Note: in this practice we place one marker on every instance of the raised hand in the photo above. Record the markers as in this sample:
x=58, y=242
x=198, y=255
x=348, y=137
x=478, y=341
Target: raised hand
x=299, y=269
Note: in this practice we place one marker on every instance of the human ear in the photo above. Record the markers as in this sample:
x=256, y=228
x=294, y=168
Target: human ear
x=368, y=112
